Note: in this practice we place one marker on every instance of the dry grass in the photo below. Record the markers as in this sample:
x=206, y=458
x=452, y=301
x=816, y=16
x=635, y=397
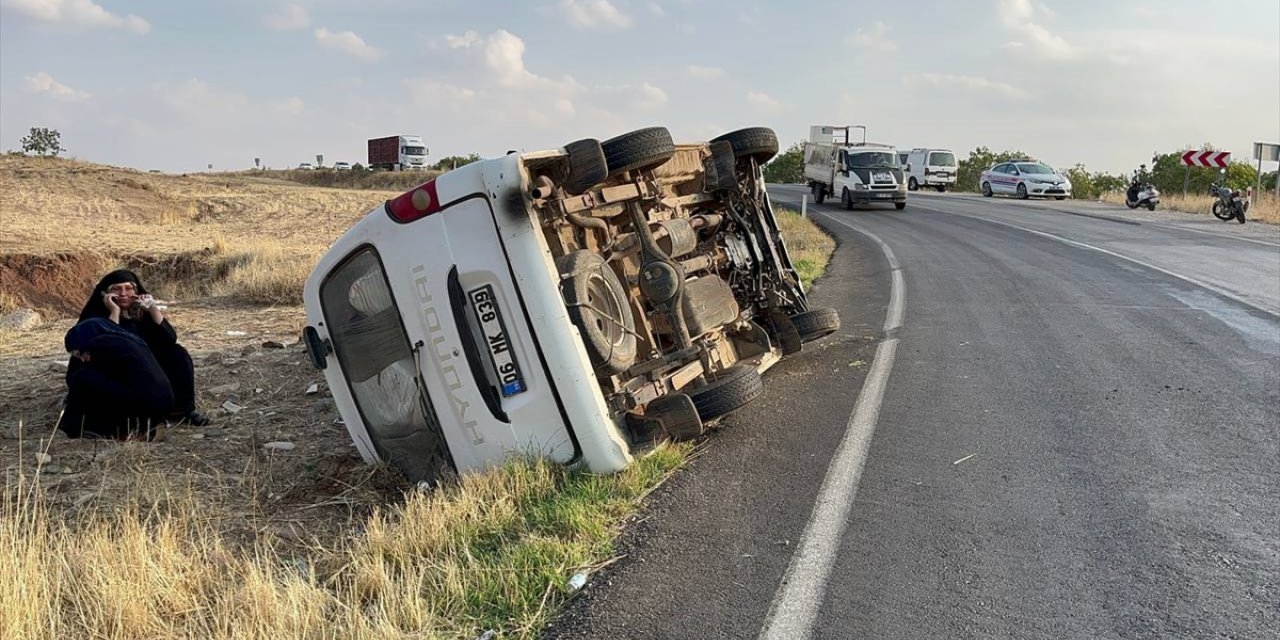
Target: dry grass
x=1266, y=209
x=375, y=180
x=810, y=247
x=8, y=303
x=190, y=236
x=262, y=271
x=51, y=205
x=492, y=552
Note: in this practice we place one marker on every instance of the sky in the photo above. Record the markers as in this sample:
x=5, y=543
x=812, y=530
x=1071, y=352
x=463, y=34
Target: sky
x=177, y=86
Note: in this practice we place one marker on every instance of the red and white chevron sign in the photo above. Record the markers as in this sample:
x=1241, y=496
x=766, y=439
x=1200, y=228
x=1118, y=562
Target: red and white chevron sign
x=1215, y=159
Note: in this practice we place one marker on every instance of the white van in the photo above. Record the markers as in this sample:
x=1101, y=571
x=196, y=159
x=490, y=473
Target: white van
x=579, y=304
x=935, y=168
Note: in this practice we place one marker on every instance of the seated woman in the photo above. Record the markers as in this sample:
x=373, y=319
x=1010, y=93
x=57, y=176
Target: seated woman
x=117, y=389
x=121, y=298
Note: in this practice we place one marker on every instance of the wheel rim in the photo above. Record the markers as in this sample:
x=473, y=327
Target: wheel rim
x=606, y=310
x=1022, y=191
x=986, y=189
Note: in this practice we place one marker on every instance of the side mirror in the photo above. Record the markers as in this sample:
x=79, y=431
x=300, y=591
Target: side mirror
x=908, y=167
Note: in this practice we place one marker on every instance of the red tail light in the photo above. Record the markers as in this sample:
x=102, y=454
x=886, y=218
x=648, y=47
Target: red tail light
x=417, y=203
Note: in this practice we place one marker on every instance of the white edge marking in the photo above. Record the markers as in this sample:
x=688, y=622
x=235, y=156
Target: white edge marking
x=1076, y=243
x=795, y=605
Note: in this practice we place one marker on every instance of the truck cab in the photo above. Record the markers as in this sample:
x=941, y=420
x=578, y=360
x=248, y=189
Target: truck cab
x=413, y=153
x=856, y=173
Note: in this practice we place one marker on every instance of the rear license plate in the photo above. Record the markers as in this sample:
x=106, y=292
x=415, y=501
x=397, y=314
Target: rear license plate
x=494, y=333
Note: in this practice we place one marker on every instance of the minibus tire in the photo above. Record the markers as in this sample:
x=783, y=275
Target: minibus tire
x=724, y=160
x=732, y=388
x=587, y=167
x=816, y=323
x=759, y=143
x=640, y=150
x=587, y=284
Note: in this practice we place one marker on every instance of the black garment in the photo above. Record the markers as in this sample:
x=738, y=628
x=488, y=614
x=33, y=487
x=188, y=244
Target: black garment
x=120, y=391
x=174, y=360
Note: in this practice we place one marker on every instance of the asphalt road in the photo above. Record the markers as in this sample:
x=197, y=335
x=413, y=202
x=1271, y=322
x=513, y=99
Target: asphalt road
x=1078, y=438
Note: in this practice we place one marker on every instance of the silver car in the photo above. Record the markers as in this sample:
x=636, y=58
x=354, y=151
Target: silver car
x=1024, y=179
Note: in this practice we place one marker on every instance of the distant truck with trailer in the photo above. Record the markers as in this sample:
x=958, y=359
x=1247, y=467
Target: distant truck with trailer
x=398, y=153
x=856, y=173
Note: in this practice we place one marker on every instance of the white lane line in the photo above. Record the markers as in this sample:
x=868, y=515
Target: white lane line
x=1165, y=226
x=795, y=605
x=1076, y=243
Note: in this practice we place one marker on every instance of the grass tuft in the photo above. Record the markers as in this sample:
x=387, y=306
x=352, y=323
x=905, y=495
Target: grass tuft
x=810, y=247
x=493, y=551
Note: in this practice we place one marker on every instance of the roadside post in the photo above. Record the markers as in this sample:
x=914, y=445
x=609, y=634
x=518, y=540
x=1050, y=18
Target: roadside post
x=319, y=160
x=1211, y=159
x=804, y=206
x=1265, y=151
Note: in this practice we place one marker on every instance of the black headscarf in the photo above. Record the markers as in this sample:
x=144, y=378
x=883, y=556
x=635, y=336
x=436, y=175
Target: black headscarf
x=95, y=307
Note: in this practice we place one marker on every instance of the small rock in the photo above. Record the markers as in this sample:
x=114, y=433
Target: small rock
x=488, y=635
x=43, y=458
x=230, y=387
x=51, y=469
x=58, y=366
x=248, y=350
x=21, y=320
x=67, y=471
x=324, y=405
x=313, y=389
x=273, y=344
x=197, y=436
x=279, y=446
x=237, y=333
x=231, y=407
x=213, y=433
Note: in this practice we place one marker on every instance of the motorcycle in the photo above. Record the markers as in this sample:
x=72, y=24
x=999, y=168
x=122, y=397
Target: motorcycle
x=1141, y=193
x=1230, y=204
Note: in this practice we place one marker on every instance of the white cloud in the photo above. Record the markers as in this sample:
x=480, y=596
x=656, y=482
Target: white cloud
x=877, y=38
x=657, y=10
x=594, y=14
x=705, y=73
x=81, y=13
x=967, y=84
x=43, y=83
x=347, y=42
x=289, y=17
x=463, y=41
x=763, y=101
x=1020, y=16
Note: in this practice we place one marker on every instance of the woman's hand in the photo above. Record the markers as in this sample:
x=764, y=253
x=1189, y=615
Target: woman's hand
x=113, y=309
x=149, y=305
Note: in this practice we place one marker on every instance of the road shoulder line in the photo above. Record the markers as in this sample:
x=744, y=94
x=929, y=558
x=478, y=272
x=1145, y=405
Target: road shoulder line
x=797, y=601
x=1084, y=245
